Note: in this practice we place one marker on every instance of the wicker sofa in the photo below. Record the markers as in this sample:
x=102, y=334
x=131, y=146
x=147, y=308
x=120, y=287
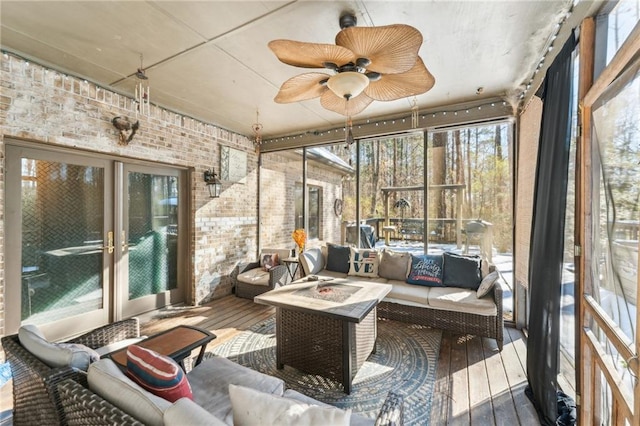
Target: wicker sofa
x=449, y=308
x=109, y=397
x=35, y=397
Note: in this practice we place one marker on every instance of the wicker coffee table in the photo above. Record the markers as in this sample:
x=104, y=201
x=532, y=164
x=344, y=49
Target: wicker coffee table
x=327, y=328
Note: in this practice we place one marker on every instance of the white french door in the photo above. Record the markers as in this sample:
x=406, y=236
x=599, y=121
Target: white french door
x=89, y=239
x=148, y=273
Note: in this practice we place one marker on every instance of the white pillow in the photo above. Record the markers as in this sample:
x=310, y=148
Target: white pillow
x=312, y=261
x=252, y=407
x=487, y=284
x=363, y=262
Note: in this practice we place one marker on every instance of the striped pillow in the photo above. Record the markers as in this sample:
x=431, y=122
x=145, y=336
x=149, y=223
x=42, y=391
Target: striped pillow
x=157, y=373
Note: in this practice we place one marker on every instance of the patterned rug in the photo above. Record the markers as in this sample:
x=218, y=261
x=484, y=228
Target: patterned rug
x=405, y=361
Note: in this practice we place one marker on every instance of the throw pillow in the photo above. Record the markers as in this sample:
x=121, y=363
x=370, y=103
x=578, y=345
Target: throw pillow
x=157, y=373
x=426, y=270
x=55, y=354
x=363, y=262
x=269, y=260
x=394, y=265
x=252, y=407
x=487, y=284
x=311, y=261
x=461, y=271
x=338, y=258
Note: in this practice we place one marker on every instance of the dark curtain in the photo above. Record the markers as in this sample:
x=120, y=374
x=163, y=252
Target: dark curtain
x=547, y=236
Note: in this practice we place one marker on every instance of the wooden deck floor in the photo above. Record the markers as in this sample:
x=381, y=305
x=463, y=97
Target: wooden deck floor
x=476, y=384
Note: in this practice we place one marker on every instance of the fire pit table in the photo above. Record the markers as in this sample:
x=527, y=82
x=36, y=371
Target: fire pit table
x=325, y=327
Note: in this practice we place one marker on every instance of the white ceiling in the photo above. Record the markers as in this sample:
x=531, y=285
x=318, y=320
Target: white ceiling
x=210, y=60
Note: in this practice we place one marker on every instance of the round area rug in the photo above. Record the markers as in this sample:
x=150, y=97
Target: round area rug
x=405, y=362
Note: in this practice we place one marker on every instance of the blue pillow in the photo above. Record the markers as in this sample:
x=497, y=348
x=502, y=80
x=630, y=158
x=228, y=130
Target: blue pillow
x=462, y=271
x=338, y=258
x=426, y=270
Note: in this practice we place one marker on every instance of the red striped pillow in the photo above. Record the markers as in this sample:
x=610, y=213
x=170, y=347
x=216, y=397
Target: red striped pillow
x=157, y=373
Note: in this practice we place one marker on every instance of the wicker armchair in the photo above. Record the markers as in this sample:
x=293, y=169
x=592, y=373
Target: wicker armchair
x=250, y=281
x=35, y=397
x=83, y=407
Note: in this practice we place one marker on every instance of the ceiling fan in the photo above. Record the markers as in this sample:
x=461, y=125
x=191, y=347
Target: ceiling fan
x=369, y=63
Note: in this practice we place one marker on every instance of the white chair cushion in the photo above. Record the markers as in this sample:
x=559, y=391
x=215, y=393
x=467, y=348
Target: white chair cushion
x=251, y=407
x=210, y=385
x=186, y=412
x=108, y=381
x=461, y=300
x=55, y=354
x=254, y=276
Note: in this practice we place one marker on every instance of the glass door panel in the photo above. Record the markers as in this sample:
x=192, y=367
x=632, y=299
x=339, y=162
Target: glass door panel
x=149, y=240
x=61, y=226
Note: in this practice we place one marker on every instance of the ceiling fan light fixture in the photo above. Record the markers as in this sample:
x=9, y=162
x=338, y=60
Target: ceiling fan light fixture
x=348, y=84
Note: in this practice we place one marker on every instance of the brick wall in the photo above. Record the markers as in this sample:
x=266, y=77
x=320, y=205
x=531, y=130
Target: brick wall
x=280, y=173
x=47, y=108
x=51, y=109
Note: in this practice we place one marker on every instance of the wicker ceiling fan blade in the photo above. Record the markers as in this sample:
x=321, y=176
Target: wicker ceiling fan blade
x=392, y=49
x=353, y=106
x=302, y=87
x=310, y=55
x=390, y=87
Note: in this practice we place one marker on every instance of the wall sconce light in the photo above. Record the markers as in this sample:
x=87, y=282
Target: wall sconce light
x=213, y=183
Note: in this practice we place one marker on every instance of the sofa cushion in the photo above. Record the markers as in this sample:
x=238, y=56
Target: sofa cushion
x=157, y=373
x=107, y=380
x=186, y=412
x=461, y=271
x=487, y=283
x=402, y=291
x=394, y=265
x=338, y=258
x=210, y=383
x=311, y=261
x=251, y=407
x=255, y=276
x=461, y=300
x=363, y=262
x=55, y=354
x=426, y=270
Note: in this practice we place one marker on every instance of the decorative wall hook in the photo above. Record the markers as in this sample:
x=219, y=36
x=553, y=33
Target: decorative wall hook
x=126, y=128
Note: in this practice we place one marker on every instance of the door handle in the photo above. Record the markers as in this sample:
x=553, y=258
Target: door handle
x=123, y=236
x=109, y=247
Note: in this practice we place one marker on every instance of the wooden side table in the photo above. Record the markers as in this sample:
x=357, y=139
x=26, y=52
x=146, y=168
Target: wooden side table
x=176, y=343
